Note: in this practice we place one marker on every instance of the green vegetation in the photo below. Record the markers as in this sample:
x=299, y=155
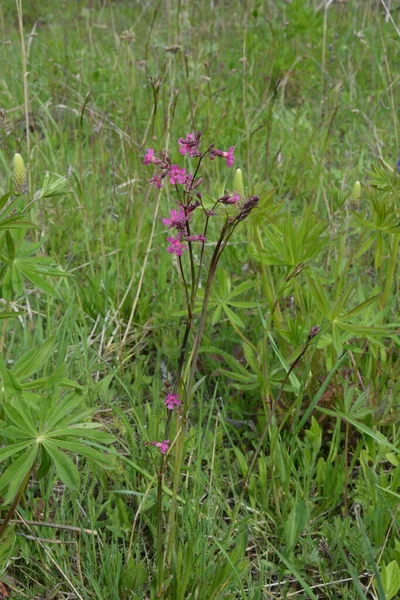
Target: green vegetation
x=283, y=481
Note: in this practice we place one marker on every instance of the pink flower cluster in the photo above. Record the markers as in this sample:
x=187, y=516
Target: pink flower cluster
x=179, y=219
x=162, y=446
x=172, y=400
x=177, y=176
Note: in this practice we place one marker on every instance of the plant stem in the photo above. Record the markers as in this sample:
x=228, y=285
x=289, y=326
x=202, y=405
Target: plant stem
x=390, y=270
x=16, y=501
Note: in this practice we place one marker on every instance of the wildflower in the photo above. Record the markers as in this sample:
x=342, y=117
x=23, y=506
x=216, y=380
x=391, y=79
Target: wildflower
x=193, y=206
x=234, y=199
x=247, y=207
x=156, y=181
x=149, y=156
x=313, y=332
x=176, y=246
x=177, y=175
x=196, y=238
x=163, y=446
x=190, y=183
x=20, y=184
x=398, y=166
x=177, y=219
x=228, y=155
x=190, y=145
x=172, y=400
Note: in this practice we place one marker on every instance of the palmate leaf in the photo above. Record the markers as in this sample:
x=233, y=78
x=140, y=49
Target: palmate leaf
x=102, y=459
x=83, y=432
x=13, y=449
x=33, y=360
x=19, y=413
x=17, y=471
x=16, y=222
x=38, y=281
x=65, y=468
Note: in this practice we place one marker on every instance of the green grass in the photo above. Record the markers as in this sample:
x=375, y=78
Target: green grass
x=309, y=99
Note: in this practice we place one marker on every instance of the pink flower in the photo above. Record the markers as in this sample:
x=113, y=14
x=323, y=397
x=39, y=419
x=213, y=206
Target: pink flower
x=149, y=156
x=178, y=219
x=163, y=446
x=234, y=199
x=189, y=145
x=228, y=155
x=177, y=175
x=195, y=238
x=172, y=400
x=176, y=246
x=156, y=181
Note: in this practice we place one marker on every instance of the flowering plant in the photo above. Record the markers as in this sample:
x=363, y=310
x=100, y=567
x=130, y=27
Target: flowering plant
x=231, y=208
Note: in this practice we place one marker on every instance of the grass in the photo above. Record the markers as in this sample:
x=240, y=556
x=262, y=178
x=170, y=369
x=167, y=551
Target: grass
x=308, y=96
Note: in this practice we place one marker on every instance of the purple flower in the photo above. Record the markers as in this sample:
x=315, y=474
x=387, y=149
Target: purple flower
x=398, y=166
x=162, y=446
x=228, y=155
x=177, y=175
x=196, y=238
x=156, y=181
x=149, y=156
x=172, y=400
x=189, y=144
x=176, y=246
x=234, y=199
x=177, y=219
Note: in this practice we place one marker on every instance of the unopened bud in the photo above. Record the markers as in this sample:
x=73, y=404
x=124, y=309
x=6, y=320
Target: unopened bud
x=313, y=332
x=20, y=184
x=356, y=192
x=238, y=183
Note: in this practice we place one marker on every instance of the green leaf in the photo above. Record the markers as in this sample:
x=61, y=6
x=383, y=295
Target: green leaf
x=6, y=547
x=9, y=315
x=16, y=472
x=102, y=459
x=390, y=576
x=82, y=432
x=3, y=199
x=295, y=524
x=360, y=308
x=233, y=317
x=17, y=222
x=20, y=414
x=134, y=575
x=33, y=360
x=38, y=281
x=10, y=246
x=319, y=295
x=65, y=468
x=44, y=465
x=13, y=449
x=376, y=435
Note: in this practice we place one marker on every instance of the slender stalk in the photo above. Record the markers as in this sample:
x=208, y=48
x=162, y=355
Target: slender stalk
x=4, y=329
x=193, y=365
x=391, y=270
x=25, y=80
x=16, y=501
x=346, y=470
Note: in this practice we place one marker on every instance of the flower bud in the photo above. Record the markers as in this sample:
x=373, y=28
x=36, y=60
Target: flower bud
x=20, y=184
x=238, y=183
x=356, y=193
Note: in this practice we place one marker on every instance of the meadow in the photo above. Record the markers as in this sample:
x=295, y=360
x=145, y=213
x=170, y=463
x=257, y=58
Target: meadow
x=214, y=415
